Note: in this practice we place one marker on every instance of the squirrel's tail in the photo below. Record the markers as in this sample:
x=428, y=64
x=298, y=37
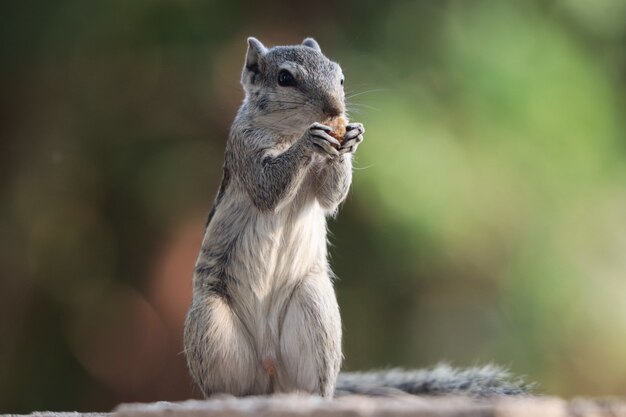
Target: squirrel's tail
x=477, y=382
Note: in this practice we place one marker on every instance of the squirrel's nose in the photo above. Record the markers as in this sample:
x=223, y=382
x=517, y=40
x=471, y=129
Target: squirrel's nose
x=332, y=109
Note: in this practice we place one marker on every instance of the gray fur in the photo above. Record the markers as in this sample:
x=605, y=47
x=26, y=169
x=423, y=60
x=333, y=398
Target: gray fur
x=264, y=316
x=476, y=382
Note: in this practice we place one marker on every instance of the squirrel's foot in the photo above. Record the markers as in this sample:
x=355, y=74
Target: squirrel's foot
x=322, y=142
x=352, y=138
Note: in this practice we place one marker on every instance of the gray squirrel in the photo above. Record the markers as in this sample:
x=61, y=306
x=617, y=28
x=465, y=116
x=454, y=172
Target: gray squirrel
x=264, y=316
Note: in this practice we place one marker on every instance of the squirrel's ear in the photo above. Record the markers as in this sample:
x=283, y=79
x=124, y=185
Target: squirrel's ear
x=311, y=43
x=255, y=51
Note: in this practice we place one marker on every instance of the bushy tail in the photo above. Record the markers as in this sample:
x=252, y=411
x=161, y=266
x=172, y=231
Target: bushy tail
x=477, y=382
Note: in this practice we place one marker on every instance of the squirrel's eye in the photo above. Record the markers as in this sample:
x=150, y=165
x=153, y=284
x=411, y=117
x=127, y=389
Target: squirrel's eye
x=342, y=81
x=285, y=79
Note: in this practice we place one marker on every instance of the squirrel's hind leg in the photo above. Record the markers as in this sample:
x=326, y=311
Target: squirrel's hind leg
x=310, y=338
x=220, y=357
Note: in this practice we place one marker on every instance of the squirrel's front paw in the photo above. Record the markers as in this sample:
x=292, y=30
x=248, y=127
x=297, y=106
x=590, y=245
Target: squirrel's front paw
x=352, y=138
x=323, y=143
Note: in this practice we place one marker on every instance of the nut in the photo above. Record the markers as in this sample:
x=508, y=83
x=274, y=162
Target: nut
x=338, y=124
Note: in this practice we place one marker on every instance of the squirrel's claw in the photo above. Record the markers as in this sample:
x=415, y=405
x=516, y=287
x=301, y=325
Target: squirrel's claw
x=322, y=140
x=320, y=126
x=353, y=130
x=352, y=138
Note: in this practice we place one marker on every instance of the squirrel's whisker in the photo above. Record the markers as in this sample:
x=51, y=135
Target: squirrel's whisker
x=366, y=106
x=285, y=102
x=376, y=90
x=280, y=109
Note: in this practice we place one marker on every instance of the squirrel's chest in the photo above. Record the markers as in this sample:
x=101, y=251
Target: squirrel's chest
x=285, y=247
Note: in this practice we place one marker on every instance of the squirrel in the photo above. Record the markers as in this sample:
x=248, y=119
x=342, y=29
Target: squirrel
x=264, y=316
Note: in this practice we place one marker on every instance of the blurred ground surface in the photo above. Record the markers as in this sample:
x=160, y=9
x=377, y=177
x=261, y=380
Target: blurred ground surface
x=357, y=406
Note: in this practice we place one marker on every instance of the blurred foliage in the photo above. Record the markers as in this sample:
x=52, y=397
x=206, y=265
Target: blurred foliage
x=487, y=219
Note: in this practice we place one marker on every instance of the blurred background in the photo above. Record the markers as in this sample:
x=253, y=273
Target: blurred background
x=487, y=220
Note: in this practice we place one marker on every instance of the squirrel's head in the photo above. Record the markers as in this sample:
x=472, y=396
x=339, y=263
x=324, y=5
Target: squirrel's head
x=292, y=86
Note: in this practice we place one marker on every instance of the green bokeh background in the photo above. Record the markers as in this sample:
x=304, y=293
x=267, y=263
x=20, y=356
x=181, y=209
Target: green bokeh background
x=487, y=219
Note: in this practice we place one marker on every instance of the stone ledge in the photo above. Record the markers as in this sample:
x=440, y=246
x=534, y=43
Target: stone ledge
x=357, y=406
